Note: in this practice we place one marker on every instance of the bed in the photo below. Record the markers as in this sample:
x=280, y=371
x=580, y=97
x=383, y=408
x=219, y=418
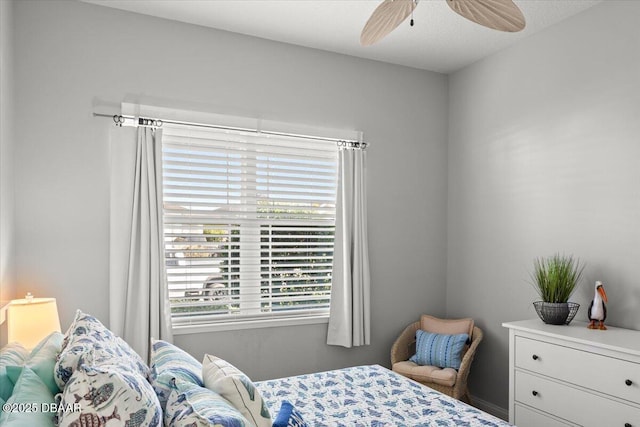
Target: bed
x=369, y=396
x=89, y=375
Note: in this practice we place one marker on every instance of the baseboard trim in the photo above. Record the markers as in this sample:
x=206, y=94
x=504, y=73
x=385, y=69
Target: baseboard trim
x=489, y=407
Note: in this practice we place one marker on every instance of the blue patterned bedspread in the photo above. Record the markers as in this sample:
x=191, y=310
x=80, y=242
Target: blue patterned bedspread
x=370, y=396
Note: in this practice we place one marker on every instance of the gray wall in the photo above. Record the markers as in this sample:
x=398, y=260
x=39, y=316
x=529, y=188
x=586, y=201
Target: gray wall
x=7, y=282
x=74, y=54
x=7, y=241
x=544, y=148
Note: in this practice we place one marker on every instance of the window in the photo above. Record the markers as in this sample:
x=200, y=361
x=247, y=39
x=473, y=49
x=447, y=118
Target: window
x=248, y=225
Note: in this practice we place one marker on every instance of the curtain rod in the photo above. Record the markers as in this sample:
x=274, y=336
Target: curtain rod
x=119, y=120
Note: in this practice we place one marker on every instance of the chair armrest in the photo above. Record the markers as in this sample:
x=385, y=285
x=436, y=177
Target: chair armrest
x=465, y=365
x=400, y=348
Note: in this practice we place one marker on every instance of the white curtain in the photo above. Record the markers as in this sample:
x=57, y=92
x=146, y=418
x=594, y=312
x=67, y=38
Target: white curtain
x=138, y=305
x=349, y=318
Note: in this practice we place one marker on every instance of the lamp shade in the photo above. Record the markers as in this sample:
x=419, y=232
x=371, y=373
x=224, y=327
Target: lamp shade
x=30, y=320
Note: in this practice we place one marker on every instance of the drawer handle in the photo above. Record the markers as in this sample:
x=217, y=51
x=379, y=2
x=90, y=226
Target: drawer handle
x=628, y=382
x=627, y=425
x=535, y=357
x=535, y=393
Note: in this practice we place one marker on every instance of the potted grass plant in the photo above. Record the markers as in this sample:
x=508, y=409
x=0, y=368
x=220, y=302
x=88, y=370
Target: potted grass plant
x=555, y=278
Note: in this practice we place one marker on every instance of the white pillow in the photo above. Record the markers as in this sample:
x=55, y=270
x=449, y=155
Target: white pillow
x=229, y=382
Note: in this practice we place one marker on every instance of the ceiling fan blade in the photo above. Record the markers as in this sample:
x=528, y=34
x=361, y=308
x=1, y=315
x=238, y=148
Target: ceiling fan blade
x=385, y=19
x=502, y=15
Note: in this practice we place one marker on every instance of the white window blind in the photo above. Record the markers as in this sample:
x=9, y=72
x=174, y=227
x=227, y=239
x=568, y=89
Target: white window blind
x=248, y=224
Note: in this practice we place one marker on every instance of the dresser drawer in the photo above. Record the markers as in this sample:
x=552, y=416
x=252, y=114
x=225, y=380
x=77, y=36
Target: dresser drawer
x=527, y=418
x=571, y=404
x=619, y=378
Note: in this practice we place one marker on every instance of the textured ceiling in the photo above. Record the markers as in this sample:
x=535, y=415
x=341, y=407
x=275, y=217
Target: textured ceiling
x=440, y=41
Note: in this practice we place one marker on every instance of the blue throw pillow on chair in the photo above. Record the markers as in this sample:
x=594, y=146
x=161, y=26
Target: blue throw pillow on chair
x=444, y=351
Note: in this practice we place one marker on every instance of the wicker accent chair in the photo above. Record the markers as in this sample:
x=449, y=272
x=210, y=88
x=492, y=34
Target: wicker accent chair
x=446, y=380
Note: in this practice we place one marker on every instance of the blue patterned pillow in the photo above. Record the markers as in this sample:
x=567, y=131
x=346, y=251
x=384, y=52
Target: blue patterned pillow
x=108, y=392
x=289, y=417
x=88, y=341
x=169, y=362
x=444, y=351
x=190, y=404
x=83, y=324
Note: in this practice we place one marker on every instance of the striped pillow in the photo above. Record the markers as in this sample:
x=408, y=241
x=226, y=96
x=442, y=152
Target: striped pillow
x=444, y=351
x=169, y=362
x=192, y=405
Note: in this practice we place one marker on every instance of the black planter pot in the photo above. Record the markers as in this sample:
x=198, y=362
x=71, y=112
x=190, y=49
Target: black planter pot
x=556, y=313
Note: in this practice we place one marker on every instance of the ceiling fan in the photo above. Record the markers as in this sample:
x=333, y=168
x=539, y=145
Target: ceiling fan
x=502, y=15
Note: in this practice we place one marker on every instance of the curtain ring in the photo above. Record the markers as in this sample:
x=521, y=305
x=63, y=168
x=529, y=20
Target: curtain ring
x=118, y=120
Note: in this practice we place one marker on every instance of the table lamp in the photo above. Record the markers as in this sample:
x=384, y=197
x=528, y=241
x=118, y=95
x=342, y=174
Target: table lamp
x=31, y=319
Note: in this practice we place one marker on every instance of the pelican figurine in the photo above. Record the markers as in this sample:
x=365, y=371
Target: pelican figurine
x=597, y=309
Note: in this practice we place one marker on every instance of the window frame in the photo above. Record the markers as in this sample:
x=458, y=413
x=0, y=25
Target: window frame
x=256, y=321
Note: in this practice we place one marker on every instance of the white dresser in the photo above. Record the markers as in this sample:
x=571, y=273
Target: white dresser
x=571, y=375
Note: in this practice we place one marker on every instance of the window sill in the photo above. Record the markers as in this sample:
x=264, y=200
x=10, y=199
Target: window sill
x=248, y=324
